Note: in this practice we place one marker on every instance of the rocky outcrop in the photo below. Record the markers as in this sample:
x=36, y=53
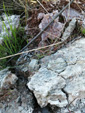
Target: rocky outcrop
x=60, y=80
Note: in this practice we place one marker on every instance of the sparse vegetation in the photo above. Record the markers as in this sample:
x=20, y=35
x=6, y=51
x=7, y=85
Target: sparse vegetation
x=42, y=51
x=83, y=31
x=12, y=43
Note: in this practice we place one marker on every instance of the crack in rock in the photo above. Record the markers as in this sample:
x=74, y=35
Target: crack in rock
x=47, y=86
x=59, y=88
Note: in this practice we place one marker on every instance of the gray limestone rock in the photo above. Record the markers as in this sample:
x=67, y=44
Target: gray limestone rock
x=57, y=65
x=47, y=87
x=69, y=29
x=71, y=71
x=17, y=100
x=78, y=111
x=75, y=88
x=52, y=87
x=33, y=65
x=7, y=79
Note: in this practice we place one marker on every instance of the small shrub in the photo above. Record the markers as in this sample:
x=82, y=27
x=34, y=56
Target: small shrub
x=12, y=43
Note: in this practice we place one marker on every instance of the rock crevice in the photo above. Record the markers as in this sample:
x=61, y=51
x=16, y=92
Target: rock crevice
x=60, y=80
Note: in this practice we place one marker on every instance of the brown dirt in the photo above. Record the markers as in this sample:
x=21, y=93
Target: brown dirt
x=33, y=22
x=74, y=5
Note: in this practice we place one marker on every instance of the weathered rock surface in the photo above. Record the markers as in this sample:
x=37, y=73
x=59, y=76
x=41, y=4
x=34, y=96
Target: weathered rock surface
x=69, y=29
x=7, y=79
x=76, y=88
x=33, y=65
x=30, y=66
x=17, y=100
x=73, y=70
x=51, y=92
x=55, y=65
x=58, y=88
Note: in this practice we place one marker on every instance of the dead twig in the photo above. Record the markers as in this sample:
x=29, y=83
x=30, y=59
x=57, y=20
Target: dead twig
x=71, y=103
x=42, y=6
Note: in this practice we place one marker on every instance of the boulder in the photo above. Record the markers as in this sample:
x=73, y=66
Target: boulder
x=7, y=79
x=47, y=87
x=61, y=79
